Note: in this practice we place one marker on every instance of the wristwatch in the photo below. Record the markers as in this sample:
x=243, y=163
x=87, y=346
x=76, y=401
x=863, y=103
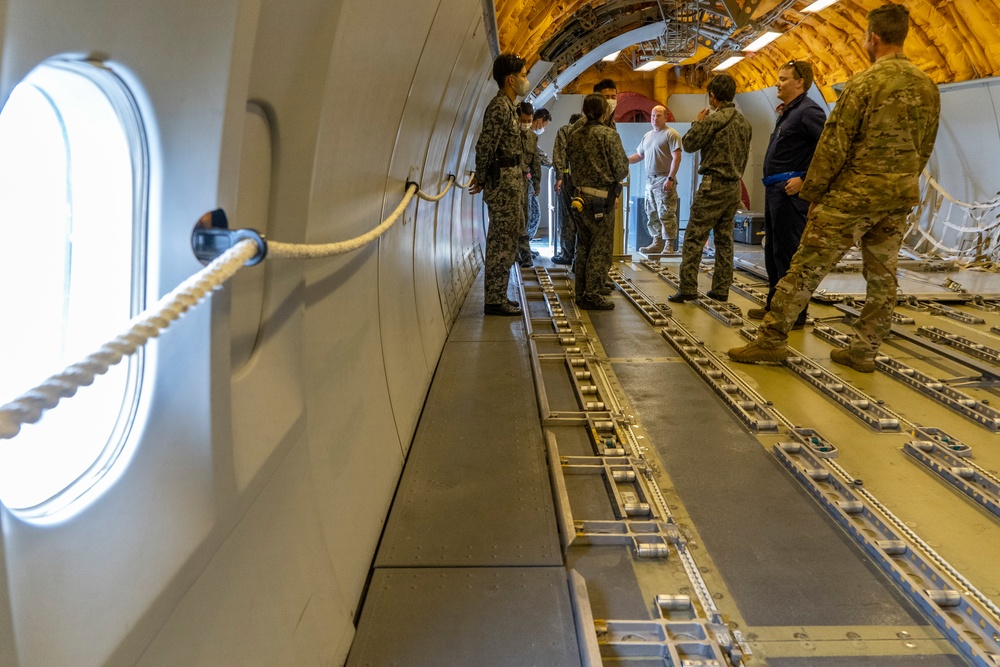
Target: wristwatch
x=671, y=179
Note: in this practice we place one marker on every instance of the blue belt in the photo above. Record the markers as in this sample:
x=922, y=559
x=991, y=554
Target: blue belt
x=778, y=178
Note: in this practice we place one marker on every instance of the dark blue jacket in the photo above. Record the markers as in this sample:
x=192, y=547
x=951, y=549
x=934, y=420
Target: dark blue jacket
x=795, y=136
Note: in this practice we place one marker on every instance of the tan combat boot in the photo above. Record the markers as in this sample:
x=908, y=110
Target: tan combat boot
x=846, y=357
x=753, y=353
x=653, y=248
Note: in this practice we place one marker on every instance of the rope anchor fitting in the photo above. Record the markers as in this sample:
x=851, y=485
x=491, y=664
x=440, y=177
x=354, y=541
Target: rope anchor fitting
x=211, y=237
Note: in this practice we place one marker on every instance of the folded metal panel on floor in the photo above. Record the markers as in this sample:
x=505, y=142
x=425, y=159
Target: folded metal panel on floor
x=457, y=617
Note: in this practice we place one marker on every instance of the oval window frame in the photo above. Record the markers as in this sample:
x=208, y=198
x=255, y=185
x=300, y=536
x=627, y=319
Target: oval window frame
x=89, y=484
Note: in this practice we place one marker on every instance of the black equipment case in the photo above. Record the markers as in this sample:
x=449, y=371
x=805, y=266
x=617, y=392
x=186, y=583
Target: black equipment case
x=748, y=227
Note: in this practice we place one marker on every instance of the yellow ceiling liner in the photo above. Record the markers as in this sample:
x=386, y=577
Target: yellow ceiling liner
x=951, y=40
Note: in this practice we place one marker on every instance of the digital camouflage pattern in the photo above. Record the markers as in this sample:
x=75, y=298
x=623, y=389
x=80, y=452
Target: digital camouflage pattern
x=596, y=156
x=877, y=140
x=864, y=178
x=531, y=161
x=531, y=164
x=559, y=161
x=597, y=160
x=567, y=217
x=723, y=137
x=661, y=208
x=505, y=195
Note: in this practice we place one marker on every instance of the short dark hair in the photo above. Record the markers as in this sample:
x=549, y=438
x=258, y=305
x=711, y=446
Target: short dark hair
x=542, y=114
x=604, y=84
x=723, y=87
x=525, y=109
x=594, y=107
x=505, y=65
x=802, y=70
x=575, y=117
x=890, y=22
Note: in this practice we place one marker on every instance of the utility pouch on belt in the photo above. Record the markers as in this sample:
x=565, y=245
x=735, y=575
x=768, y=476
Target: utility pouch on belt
x=597, y=207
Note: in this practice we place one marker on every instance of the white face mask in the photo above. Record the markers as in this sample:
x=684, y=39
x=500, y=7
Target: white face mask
x=612, y=103
x=525, y=126
x=521, y=86
x=539, y=131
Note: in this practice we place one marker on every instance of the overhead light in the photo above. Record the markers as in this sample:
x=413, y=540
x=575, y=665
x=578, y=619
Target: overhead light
x=727, y=63
x=649, y=65
x=611, y=57
x=762, y=41
x=819, y=5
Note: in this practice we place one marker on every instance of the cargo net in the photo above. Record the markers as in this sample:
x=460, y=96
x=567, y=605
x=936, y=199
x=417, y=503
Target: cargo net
x=946, y=228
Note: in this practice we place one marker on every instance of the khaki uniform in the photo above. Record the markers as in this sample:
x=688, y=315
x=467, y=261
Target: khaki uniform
x=723, y=137
x=597, y=160
x=505, y=192
x=864, y=179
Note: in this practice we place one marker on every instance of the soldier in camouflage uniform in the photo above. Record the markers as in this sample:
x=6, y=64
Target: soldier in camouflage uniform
x=598, y=163
x=862, y=182
x=540, y=120
x=499, y=177
x=564, y=189
x=723, y=137
x=532, y=167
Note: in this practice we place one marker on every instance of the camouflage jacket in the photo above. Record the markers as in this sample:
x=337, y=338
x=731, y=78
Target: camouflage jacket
x=877, y=140
x=723, y=137
x=596, y=156
x=559, y=162
x=500, y=136
x=531, y=162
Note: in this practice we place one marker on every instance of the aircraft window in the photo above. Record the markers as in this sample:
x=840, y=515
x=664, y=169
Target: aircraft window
x=73, y=184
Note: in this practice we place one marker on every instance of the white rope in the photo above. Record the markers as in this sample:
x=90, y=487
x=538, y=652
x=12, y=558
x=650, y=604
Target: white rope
x=28, y=408
x=463, y=186
x=438, y=197
x=280, y=250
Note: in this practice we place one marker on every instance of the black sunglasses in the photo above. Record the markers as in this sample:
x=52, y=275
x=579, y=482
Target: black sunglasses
x=795, y=67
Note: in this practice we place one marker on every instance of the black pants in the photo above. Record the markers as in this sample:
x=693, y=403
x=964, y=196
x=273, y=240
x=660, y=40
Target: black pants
x=784, y=221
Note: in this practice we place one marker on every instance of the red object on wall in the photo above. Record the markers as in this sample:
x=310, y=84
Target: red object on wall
x=637, y=108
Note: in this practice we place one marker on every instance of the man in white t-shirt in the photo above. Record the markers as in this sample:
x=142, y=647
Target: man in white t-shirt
x=661, y=150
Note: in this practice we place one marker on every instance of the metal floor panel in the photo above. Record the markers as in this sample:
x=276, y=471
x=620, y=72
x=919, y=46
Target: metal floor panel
x=783, y=560
x=611, y=581
x=459, y=617
x=475, y=490
x=871, y=661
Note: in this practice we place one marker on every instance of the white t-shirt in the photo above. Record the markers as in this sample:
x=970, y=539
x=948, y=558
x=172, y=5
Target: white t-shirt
x=657, y=148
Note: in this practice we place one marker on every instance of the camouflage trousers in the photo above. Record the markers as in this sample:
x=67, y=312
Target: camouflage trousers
x=534, y=220
x=594, y=247
x=828, y=235
x=567, y=219
x=713, y=210
x=507, y=205
x=661, y=208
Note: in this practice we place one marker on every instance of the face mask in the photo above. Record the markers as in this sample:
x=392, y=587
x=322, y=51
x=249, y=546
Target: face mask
x=612, y=103
x=521, y=86
x=539, y=131
x=525, y=126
